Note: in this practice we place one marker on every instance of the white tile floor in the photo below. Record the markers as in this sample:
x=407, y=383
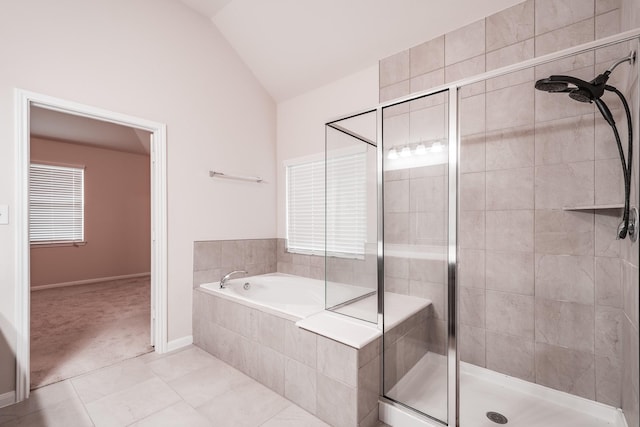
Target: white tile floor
x=187, y=388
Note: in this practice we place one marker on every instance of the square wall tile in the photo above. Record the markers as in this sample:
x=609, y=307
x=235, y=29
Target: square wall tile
x=565, y=324
x=207, y=255
x=336, y=403
x=395, y=68
x=512, y=55
x=510, y=26
x=233, y=253
x=510, y=272
x=510, y=314
x=565, y=278
x=608, y=24
x=565, y=37
x=427, y=194
x=566, y=370
x=564, y=232
x=395, y=91
x=510, y=230
x=511, y=355
x=511, y=107
x=553, y=14
x=510, y=148
x=426, y=82
x=428, y=228
x=338, y=361
x=565, y=140
x=464, y=43
x=427, y=270
x=510, y=189
x=467, y=68
x=427, y=56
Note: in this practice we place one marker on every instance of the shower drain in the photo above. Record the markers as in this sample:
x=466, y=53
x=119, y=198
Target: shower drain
x=497, y=418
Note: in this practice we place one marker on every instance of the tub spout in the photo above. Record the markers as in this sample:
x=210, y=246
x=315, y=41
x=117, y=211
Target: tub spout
x=227, y=276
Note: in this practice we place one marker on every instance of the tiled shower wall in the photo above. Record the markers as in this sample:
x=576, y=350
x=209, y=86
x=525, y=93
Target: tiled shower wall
x=546, y=295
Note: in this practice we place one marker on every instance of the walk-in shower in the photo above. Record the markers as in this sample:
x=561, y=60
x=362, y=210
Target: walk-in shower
x=499, y=207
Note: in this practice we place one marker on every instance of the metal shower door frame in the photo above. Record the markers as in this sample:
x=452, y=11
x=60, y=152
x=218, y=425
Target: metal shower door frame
x=452, y=89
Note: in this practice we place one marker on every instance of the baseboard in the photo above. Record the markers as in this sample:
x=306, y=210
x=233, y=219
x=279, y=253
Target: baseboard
x=89, y=281
x=7, y=399
x=179, y=343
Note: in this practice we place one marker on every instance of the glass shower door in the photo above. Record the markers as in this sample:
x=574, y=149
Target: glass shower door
x=416, y=254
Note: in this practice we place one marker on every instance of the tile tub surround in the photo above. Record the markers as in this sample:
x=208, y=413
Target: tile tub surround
x=214, y=258
x=337, y=383
x=537, y=301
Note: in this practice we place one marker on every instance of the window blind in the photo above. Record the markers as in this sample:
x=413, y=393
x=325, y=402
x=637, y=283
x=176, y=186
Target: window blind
x=345, y=206
x=56, y=204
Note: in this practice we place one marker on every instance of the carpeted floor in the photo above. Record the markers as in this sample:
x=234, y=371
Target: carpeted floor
x=78, y=329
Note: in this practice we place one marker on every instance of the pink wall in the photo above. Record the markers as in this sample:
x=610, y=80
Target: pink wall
x=117, y=216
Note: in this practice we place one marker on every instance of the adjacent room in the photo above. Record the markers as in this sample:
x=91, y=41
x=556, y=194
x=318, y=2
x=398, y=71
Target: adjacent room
x=89, y=228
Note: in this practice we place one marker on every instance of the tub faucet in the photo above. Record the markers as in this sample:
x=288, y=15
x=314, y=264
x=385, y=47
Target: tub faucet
x=227, y=276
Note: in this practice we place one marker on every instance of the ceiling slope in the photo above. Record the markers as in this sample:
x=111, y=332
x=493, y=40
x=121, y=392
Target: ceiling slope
x=293, y=46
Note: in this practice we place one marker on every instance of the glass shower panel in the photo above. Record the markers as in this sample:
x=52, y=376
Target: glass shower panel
x=415, y=185
x=351, y=217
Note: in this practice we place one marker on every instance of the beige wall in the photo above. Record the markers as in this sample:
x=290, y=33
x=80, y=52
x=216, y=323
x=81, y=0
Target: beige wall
x=117, y=216
x=301, y=122
x=158, y=60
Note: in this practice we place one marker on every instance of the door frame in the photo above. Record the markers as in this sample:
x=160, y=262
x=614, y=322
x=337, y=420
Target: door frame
x=24, y=100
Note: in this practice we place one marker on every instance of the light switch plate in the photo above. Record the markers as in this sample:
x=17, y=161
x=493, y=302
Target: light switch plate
x=4, y=214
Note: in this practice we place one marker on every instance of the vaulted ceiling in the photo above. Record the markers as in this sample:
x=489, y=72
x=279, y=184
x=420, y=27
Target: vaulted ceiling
x=293, y=46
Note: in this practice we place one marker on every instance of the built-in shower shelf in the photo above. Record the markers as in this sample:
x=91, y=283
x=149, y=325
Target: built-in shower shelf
x=593, y=207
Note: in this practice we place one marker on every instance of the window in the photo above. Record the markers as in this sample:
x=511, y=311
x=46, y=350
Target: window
x=56, y=204
x=345, y=206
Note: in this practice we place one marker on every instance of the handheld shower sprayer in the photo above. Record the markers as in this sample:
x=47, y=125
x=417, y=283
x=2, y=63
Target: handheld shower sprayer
x=591, y=92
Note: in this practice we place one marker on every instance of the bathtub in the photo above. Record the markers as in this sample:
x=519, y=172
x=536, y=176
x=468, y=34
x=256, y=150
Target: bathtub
x=293, y=297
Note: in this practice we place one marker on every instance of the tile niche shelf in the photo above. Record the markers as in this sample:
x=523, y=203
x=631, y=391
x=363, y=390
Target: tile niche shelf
x=593, y=207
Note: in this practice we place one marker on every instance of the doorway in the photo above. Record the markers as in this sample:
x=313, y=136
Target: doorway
x=25, y=102
x=90, y=228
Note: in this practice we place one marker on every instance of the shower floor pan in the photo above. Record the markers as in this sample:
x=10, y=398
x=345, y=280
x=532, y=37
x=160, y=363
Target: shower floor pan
x=524, y=404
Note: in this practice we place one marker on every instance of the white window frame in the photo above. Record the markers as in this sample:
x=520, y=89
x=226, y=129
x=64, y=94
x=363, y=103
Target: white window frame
x=71, y=186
